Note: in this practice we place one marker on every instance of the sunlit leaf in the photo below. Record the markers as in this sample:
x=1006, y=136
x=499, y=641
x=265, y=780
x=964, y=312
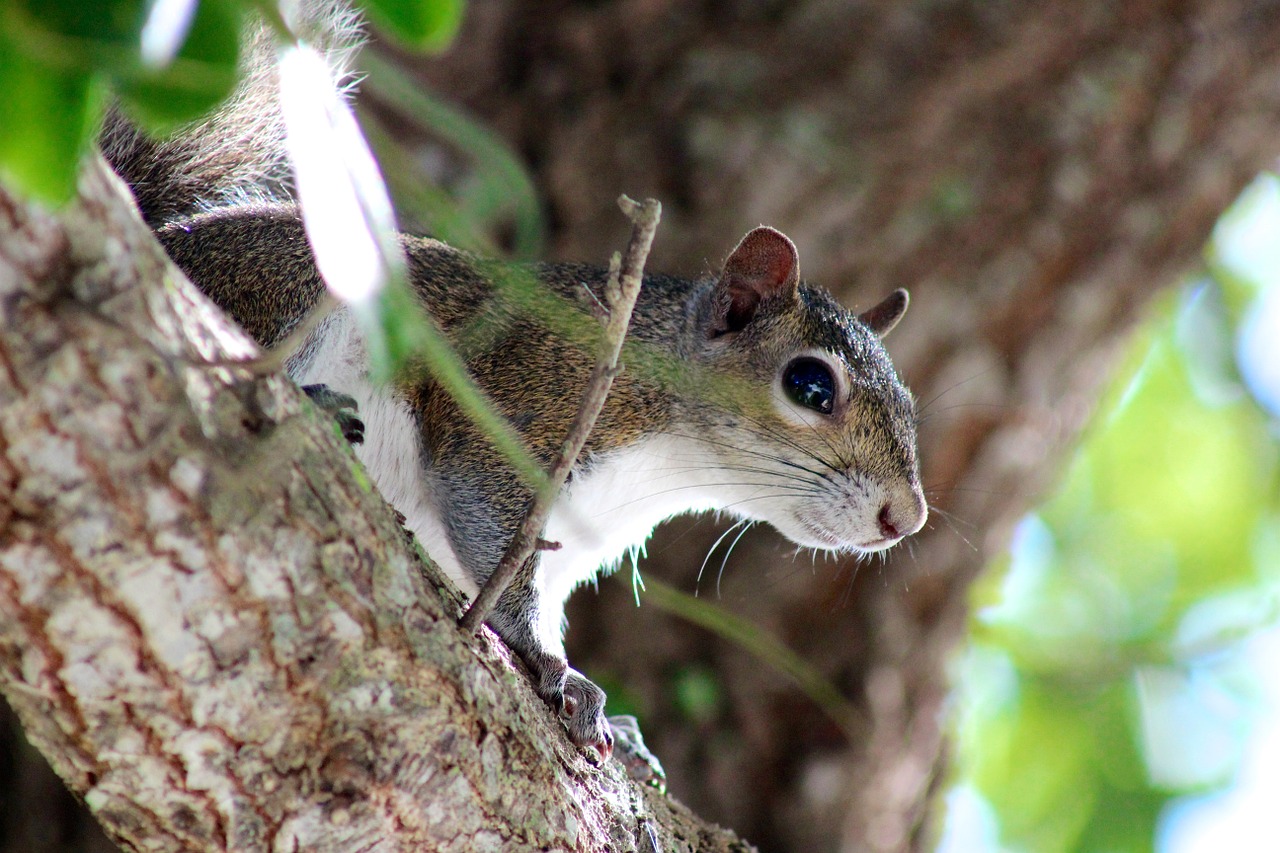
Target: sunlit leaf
x=165, y=30
x=421, y=24
x=344, y=204
x=195, y=79
x=49, y=119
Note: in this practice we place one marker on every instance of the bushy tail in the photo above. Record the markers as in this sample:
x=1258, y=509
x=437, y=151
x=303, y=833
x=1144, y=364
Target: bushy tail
x=238, y=150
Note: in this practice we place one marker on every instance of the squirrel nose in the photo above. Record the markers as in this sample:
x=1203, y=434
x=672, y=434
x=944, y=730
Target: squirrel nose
x=901, y=519
x=887, y=528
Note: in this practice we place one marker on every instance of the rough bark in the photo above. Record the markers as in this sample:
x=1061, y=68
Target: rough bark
x=1034, y=173
x=210, y=624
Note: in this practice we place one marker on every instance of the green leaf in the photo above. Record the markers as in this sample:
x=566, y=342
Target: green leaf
x=399, y=335
x=427, y=25
x=63, y=46
x=200, y=76
x=102, y=21
x=497, y=172
x=49, y=119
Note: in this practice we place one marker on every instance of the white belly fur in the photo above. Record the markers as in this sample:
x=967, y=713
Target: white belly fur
x=611, y=510
x=606, y=512
x=391, y=452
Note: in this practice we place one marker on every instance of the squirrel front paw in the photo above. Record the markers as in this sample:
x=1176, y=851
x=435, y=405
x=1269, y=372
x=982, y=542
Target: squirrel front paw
x=342, y=407
x=576, y=700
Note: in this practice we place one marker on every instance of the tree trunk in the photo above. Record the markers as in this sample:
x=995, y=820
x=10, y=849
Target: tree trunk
x=211, y=626
x=1033, y=172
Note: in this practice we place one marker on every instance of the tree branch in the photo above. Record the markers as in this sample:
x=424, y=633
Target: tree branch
x=209, y=623
x=625, y=276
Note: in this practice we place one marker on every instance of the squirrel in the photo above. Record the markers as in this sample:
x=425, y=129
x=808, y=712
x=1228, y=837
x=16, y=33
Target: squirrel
x=751, y=392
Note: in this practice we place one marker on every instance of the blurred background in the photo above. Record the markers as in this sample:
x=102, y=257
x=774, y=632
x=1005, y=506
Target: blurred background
x=1120, y=689
x=1078, y=653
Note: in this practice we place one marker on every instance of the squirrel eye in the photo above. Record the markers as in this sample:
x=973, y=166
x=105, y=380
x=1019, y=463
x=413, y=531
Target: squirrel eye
x=809, y=383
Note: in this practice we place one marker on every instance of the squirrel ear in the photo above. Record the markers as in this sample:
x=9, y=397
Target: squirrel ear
x=764, y=266
x=883, y=317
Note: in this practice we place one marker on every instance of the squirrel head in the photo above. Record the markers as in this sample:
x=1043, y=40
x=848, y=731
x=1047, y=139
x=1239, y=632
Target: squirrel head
x=806, y=409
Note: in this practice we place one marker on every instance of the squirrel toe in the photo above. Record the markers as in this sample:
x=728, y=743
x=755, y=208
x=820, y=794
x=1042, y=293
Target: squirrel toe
x=582, y=709
x=342, y=407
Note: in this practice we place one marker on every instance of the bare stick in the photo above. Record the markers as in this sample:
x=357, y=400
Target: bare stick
x=625, y=274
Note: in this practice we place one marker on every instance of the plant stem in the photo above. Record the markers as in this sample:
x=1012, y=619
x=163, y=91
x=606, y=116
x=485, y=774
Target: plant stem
x=625, y=276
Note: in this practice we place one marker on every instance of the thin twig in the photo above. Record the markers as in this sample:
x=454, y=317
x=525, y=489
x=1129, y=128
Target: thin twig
x=621, y=291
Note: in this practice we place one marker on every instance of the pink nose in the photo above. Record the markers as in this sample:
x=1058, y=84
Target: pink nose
x=902, y=516
x=887, y=528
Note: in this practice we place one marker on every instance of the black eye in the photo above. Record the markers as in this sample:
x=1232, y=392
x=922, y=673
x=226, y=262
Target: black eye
x=809, y=383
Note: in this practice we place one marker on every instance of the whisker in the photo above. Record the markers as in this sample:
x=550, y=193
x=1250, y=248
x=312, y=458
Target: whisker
x=697, y=581
x=764, y=431
x=752, y=498
x=725, y=561
x=760, y=455
x=750, y=469
x=777, y=491
x=951, y=489
x=951, y=517
x=853, y=579
x=771, y=432
x=945, y=391
x=835, y=452
x=952, y=521
x=698, y=463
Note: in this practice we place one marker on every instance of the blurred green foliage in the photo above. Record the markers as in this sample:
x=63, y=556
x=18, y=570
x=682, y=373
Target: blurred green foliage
x=166, y=61
x=59, y=60
x=493, y=193
x=424, y=25
x=1102, y=680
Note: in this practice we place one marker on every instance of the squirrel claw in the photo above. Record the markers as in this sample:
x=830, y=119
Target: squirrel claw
x=603, y=750
x=582, y=709
x=342, y=407
x=352, y=427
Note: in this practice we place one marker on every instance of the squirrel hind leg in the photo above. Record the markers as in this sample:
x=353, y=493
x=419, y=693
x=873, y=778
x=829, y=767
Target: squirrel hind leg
x=630, y=749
